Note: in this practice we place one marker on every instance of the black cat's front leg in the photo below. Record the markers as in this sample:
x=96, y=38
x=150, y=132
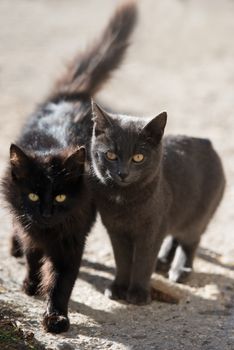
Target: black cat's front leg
x=123, y=253
x=16, y=247
x=56, y=319
x=65, y=271
x=33, y=278
x=144, y=260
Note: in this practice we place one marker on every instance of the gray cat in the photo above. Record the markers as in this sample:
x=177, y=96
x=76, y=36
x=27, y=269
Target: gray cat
x=146, y=187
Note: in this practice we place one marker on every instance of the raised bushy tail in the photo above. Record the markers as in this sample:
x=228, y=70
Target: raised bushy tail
x=89, y=71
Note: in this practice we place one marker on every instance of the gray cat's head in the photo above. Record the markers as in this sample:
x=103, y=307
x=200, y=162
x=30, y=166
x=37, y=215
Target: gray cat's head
x=125, y=150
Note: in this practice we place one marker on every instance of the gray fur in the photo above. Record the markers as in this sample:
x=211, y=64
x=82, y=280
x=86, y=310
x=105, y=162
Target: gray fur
x=175, y=191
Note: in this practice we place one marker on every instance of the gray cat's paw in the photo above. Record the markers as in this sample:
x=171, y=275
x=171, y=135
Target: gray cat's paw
x=180, y=275
x=116, y=292
x=138, y=296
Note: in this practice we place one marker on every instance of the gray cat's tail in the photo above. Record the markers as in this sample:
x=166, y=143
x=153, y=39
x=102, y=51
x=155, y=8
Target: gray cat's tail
x=89, y=71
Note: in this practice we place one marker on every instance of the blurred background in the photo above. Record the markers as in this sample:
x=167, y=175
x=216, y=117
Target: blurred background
x=181, y=60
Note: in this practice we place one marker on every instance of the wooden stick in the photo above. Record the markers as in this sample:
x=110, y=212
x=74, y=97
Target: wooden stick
x=165, y=291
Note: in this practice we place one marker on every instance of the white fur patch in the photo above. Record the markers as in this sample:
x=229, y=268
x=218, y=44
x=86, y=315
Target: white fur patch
x=60, y=109
x=93, y=160
x=58, y=115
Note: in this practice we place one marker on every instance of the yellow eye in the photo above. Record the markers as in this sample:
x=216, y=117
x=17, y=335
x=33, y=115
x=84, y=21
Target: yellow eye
x=60, y=198
x=137, y=158
x=111, y=155
x=33, y=197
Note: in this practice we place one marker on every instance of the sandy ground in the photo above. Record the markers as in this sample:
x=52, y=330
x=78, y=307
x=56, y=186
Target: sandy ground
x=181, y=61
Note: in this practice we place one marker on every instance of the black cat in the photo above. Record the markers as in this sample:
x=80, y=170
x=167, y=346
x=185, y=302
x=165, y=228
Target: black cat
x=146, y=187
x=52, y=206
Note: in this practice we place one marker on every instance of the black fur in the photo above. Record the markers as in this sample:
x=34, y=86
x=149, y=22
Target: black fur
x=47, y=162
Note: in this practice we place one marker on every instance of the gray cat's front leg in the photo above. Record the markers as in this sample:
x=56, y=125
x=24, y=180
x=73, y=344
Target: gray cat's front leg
x=123, y=253
x=144, y=260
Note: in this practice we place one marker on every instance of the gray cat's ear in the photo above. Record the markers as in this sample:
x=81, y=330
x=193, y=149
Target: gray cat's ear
x=19, y=161
x=100, y=117
x=76, y=159
x=155, y=128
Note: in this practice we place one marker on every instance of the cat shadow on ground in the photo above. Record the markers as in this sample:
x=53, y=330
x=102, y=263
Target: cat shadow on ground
x=206, y=297
x=99, y=282
x=196, y=279
x=212, y=257
x=145, y=327
x=141, y=327
x=97, y=266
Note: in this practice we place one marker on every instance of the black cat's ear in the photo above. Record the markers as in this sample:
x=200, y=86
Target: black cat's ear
x=155, y=128
x=75, y=160
x=100, y=117
x=17, y=156
x=19, y=161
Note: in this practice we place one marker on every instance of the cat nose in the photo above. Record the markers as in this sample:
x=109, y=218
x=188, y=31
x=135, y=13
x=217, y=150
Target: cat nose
x=46, y=215
x=123, y=174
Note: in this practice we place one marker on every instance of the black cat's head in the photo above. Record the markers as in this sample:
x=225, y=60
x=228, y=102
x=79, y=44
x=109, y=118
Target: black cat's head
x=125, y=150
x=44, y=188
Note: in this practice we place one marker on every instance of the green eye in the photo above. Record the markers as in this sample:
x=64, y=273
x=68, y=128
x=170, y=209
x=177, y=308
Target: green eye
x=111, y=155
x=60, y=198
x=33, y=197
x=137, y=158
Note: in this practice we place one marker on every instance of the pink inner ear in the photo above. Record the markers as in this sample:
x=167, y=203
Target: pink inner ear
x=14, y=159
x=17, y=156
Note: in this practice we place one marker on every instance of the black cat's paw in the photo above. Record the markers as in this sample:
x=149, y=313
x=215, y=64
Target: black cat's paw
x=55, y=323
x=138, y=296
x=179, y=275
x=116, y=292
x=30, y=287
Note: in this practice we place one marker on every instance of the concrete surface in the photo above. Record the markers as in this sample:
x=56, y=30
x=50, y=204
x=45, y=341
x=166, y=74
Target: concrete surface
x=182, y=61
